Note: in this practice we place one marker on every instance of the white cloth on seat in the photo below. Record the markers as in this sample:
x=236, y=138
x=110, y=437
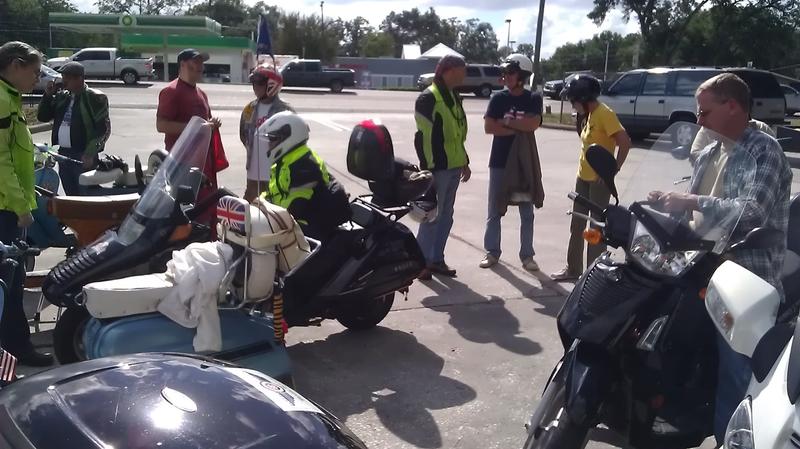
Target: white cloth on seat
x=127, y=296
x=197, y=272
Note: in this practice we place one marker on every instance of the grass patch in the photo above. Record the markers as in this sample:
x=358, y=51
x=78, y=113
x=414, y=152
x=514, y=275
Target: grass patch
x=30, y=114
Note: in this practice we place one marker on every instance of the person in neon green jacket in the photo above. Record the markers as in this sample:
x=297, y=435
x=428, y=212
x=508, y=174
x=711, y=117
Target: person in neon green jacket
x=20, y=66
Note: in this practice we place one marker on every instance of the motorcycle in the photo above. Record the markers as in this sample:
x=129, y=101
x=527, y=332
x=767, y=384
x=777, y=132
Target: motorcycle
x=639, y=349
x=164, y=219
x=276, y=281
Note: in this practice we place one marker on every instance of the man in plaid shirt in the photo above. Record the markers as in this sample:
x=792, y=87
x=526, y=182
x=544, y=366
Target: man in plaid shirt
x=723, y=106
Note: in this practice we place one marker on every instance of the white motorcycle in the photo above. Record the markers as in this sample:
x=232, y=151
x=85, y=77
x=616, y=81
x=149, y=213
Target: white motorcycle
x=744, y=309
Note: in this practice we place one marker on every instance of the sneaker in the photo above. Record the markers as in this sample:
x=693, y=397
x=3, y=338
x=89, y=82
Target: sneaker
x=425, y=275
x=443, y=269
x=565, y=275
x=530, y=264
x=489, y=261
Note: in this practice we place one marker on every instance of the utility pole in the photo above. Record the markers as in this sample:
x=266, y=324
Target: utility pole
x=322, y=12
x=605, y=70
x=536, y=60
x=508, y=39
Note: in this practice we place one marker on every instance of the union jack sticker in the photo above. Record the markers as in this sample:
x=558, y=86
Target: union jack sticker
x=231, y=213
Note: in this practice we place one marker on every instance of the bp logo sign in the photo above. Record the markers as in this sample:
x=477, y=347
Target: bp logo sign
x=127, y=20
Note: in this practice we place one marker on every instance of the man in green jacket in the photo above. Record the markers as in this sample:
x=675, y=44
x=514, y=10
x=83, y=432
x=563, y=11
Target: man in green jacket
x=439, y=141
x=81, y=125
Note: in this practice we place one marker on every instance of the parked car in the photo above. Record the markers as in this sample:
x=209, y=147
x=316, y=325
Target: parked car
x=310, y=73
x=649, y=100
x=553, y=89
x=481, y=79
x=792, y=97
x=104, y=63
x=45, y=78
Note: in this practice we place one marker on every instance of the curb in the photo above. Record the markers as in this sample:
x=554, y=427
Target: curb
x=563, y=127
x=40, y=128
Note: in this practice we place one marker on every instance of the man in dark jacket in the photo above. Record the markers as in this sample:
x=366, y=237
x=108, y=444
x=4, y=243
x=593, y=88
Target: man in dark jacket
x=81, y=125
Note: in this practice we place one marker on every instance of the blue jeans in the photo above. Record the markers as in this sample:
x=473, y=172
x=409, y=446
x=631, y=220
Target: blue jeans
x=432, y=236
x=70, y=172
x=733, y=378
x=491, y=239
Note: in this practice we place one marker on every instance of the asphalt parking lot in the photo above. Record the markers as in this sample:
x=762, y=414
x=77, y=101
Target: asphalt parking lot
x=460, y=362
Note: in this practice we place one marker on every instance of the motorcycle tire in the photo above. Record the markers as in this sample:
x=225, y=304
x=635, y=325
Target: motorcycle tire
x=366, y=314
x=554, y=429
x=68, y=335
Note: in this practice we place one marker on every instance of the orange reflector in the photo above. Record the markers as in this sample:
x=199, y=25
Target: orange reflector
x=657, y=402
x=593, y=236
x=702, y=293
x=181, y=233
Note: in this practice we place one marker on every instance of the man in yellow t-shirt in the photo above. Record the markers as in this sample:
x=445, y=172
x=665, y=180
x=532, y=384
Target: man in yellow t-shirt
x=602, y=127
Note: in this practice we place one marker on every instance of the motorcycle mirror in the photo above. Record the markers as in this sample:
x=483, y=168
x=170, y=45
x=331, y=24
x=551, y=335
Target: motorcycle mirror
x=185, y=195
x=681, y=152
x=605, y=165
x=759, y=238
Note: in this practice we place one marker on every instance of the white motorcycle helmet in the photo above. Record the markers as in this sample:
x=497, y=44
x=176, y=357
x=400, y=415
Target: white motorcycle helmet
x=519, y=62
x=424, y=211
x=280, y=134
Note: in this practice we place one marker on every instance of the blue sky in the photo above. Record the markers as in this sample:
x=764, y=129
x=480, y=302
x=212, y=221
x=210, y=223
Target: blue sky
x=564, y=20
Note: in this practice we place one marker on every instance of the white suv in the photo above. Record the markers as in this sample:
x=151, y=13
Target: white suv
x=649, y=100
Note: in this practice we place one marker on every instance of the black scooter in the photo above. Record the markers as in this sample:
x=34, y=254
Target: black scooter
x=640, y=354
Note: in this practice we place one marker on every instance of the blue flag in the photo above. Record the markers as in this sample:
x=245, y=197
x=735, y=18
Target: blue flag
x=264, y=43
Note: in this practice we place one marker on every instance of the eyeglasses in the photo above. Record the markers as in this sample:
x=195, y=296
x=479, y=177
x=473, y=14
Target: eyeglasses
x=24, y=63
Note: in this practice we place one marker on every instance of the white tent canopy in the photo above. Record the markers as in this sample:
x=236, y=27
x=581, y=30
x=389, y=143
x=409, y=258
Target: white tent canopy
x=411, y=51
x=440, y=50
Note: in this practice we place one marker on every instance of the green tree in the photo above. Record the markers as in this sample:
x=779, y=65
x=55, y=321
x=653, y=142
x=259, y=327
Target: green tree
x=478, y=42
x=143, y=7
x=378, y=44
x=28, y=20
x=415, y=27
x=590, y=55
x=355, y=36
x=526, y=49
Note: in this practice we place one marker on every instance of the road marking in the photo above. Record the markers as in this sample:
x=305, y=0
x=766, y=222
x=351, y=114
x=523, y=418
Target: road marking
x=326, y=122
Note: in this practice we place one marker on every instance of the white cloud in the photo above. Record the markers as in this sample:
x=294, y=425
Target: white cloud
x=565, y=20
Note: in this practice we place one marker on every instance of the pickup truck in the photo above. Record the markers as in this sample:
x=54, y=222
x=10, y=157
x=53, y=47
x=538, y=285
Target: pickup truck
x=310, y=73
x=105, y=64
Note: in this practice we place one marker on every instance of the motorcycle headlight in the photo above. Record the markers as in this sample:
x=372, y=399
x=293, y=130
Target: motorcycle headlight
x=739, y=434
x=645, y=250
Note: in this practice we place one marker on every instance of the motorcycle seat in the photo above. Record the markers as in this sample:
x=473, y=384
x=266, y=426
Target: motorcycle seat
x=106, y=207
x=127, y=296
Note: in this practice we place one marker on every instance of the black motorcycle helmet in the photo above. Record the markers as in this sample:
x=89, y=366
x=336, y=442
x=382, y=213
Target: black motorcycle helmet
x=581, y=88
x=163, y=401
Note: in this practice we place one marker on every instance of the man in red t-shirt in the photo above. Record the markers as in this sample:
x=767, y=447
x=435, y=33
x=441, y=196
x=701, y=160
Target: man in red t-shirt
x=181, y=100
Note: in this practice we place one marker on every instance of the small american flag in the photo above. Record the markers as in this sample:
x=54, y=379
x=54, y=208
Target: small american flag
x=8, y=367
x=231, y=213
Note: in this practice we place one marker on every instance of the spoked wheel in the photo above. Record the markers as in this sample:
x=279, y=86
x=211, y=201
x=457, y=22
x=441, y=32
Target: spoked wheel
x=365, y=314
x=551, y=426
x=68, y=335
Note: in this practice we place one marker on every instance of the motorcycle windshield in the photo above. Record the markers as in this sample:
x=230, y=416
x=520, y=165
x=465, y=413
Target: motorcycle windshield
x=688, y=158
x=181, y=169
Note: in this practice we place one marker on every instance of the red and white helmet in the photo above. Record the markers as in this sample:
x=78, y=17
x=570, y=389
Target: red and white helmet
x=266, y=73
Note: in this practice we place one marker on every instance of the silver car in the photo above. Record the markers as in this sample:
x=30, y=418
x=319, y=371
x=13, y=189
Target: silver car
x=46, y=77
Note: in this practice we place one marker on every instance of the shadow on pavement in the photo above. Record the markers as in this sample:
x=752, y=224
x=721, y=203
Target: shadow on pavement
x=550, y=304
x=383, y=370
x=480, y=319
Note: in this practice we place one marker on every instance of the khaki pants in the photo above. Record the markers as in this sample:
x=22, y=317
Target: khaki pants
x=597, y=192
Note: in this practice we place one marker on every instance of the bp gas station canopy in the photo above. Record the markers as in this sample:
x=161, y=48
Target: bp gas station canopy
x=119, y=24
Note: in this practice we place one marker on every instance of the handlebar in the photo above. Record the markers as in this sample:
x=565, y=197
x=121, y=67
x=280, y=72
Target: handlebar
x=57, y=156
x=18, y=250
x=585, y=202
x=207, y=202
